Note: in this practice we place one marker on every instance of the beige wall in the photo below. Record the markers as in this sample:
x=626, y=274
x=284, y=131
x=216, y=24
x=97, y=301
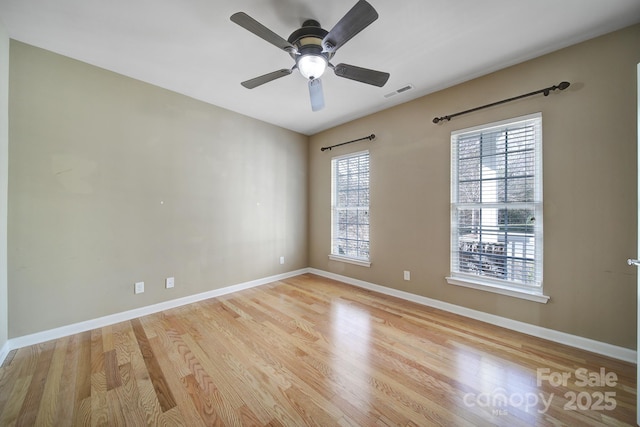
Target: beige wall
x=4, y=175
x=114, y=181
x=589, y=144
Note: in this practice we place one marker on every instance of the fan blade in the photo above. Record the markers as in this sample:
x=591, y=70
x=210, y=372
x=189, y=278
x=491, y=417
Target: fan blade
x=255, y=82
x=363, y=75
x=250, y=24
x=356, y=20
x=316, y=94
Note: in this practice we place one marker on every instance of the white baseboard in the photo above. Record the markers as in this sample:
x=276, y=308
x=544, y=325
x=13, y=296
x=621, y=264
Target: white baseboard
x=111, y=319
x=609, y=350
x=598, y=347
x=4, y=351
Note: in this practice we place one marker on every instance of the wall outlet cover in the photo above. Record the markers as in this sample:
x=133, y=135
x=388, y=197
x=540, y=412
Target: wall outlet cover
x=139, y=288
x=169, y=282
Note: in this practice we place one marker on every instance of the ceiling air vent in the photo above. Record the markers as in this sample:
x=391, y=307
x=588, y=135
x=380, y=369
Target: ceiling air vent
x=399, y=91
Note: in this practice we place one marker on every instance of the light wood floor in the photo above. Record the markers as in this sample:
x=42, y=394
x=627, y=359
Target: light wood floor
x=309, y=351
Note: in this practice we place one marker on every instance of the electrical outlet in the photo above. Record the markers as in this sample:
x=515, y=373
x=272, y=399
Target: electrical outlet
x=139, y=288
x=407, y=275
x=169, y=282
x=281, y=260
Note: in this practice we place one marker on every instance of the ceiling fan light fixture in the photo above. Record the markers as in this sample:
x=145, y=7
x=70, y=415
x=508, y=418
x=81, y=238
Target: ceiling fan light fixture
x=312, y=66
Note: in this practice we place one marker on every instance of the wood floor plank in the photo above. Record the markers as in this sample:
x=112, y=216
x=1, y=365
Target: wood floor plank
x=99, y=404
x=308, y=351
x=11, y=409
x=203, y=402
x=8, y=377
x=215, y=381
x=132, y=404
x=241, y=362
x=164, y=394
x=49, y=407
x=68, y=381
x=185, y=413
x=97, y=351
x=124, y=342
x=107, y=338
x=284, y=378
x=111, y=370
x=23, y=364
x=175, y=418
x=33, y=398
x=146, y=389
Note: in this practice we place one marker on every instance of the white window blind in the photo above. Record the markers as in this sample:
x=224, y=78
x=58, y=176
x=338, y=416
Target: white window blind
x=350, y=206
x=496, y=203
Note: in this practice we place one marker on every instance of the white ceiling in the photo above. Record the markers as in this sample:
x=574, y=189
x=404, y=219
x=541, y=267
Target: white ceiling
x=191, y=46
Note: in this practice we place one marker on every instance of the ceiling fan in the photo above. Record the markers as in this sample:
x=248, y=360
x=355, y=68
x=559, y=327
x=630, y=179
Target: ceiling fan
x=313, y=47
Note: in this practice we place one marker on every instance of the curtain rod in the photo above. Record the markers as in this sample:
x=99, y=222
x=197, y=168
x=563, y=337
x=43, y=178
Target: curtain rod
x=370, y=138
x=546, y=91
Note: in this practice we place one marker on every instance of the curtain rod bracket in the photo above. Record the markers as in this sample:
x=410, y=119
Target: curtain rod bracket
x=370, y=138
x=546, y=91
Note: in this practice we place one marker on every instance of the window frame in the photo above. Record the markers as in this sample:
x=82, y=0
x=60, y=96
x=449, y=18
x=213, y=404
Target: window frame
x=361, y=261
x=514, y=288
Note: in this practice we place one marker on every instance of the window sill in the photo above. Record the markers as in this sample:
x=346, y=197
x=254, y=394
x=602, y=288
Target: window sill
x=359, y=262
x=495, y=288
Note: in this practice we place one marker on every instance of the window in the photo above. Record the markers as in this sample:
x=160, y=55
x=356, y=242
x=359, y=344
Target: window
x=496, y=207
x=350, y=208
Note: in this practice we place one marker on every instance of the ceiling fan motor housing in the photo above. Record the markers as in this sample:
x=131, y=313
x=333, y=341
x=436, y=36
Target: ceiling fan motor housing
x=308, y=40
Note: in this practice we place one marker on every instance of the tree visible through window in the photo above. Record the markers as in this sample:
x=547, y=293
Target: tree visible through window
x=496, y=203
x=350, y=206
